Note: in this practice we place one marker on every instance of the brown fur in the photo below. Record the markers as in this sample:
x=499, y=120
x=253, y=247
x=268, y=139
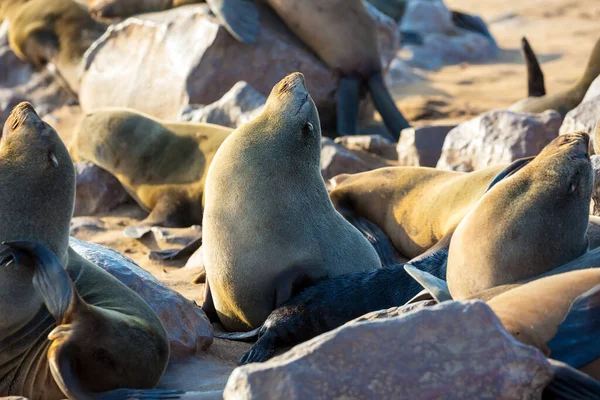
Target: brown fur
x=564, y=101
x=267, y=216
x=156, y=161
x=38, y=181
x=529, y=223
x=107, y=9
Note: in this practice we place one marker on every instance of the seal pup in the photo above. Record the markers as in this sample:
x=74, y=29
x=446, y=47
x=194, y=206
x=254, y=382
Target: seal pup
x=269, y=226
x=60, y=313
x=53, y=34
x=529, y=223
x=163, y=165
x=563, y=101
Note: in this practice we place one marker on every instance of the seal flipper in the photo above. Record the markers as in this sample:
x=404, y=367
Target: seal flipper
x=262, y=350
x=348, y=99
x=392, y=117
x=169, y=211
x=239, y=17
x=576, y=340
x=570, y=384
x=174, y=254
x=378, y=239
x=239, y=336
x=535, y=76
x=510, y=170
x=435, y=286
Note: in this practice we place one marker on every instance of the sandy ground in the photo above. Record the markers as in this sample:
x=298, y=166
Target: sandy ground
x=562, y=32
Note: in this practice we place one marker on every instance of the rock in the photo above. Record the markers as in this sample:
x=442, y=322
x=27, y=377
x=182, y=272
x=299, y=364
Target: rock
x=117, y=69
x=583, y=118
x=238, y=106
x=496, y=137
x=336, y=160
x=422, y=146
x=596, y=192
x=400, y=72
x=89, y=224
x=187, y=326
x=455, y=350
x=593, y=91
x=97, y=190
x=394, y=311
x=442, y=42
x=375, y=144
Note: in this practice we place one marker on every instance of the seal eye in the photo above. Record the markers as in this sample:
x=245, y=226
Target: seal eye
x=572, y=188
x=308, y=128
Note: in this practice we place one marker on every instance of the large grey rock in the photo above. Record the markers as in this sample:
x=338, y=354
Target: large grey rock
x=161, y=62
x=336, y=160
x=596, y=191
x=422, y=146
x=96, y=190
x=238, y=106
x=443, y=42
x=187, y=326
x=496, y=137
x=452, y=351
x=375, y=144
x=584, y=118
x=593, y=90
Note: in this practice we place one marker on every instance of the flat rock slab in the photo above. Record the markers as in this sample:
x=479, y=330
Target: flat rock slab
x=455, y=350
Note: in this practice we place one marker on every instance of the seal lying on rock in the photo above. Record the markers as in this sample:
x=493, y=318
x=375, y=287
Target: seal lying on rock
x=269, y=227
x=64, y=321
x=531, y=222
x=563, y=101
x=162, y=165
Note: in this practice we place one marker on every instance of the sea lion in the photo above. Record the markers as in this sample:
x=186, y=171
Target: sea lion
x=529, y=223
x=563, y=101
x=163, y=165
x=53, y=33
x=64, y=322
x=269, y=227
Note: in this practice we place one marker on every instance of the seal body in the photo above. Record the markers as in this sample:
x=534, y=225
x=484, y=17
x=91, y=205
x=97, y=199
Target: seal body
x=528, y=223
x=162, y=165
x=107, y=9
x=268, y=220
x=415, y=206
x=120, y=339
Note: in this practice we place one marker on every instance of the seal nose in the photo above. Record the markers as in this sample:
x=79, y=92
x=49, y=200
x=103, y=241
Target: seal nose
x=291, y=83
x=19, y=114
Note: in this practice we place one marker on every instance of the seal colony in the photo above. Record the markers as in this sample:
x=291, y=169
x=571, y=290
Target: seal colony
x=265, y=239
x=162, y=165
x=64, y=320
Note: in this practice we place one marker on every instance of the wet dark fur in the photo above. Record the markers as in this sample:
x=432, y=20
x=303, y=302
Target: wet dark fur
x=335, y=301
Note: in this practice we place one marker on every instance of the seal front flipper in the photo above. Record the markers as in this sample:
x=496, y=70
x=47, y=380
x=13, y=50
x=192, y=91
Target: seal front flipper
x=535, y=76
x=435, y=286
x=262, y=350
x=239, y=17
x=348, y=99
x=174, y=254
x=570, y=384
x=576, y=340
x=392, y=117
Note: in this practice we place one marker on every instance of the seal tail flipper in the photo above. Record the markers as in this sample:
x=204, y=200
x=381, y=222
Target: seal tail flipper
x=535, y=76
x=378, y=239
x=174, y=254
x=392, y=117
x=472, y=23
x=348, y=99
x=570, y=384
x=239, y=336
x=436, y=287
x=576, y=340
x=239, y=17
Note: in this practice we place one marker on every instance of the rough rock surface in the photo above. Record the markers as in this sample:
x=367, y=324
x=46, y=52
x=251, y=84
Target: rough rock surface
x=118, y=67
x=422, y=146
x=443, y=42
x=584, y=118
x=453, y=351
x=394, y=311
x=498, y=136
x=593, y=90
x=97, y=190
x=596, y=192
x=375, y=144
x=238, y=106
x=336, y=160
x=187, y=326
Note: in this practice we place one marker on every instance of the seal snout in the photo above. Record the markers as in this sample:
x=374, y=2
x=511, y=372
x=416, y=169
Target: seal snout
x=19, y=114
x=577, y=143
x=293, y=83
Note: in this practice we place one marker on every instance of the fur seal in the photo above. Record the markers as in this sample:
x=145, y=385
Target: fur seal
x=563, y=101
x=162, y=165
x=269, y=227
x=65, y=322
x=529, y=223
x=53, y=33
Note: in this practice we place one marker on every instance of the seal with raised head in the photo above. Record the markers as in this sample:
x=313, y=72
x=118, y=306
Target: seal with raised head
x=64, y=322
x=163, y=165
x=563, y=101
x=269, y=226
x=530, y=222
